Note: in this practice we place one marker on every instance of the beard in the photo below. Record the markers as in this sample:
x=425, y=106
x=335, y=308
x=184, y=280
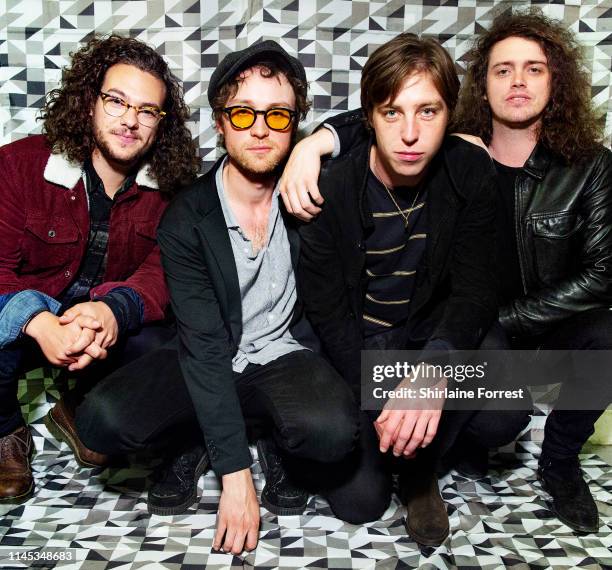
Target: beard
x=257, y=166
x=125, y=159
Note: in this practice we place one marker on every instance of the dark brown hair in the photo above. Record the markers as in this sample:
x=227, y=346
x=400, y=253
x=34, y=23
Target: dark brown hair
x=569, y=127
x=270, y=67
x=393, y=62
x=68, y=125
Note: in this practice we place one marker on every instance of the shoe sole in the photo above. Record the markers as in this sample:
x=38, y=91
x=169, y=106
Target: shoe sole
x=59, y=433
x=275, y=509
x=201, y=468
x=281, y=511
x=565, y=521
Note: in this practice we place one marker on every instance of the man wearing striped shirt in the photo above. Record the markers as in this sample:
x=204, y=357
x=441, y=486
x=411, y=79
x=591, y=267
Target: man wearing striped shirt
x=401, y=257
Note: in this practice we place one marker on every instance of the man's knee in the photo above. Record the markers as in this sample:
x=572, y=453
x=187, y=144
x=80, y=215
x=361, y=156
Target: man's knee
x=598, y=331
x=496, y=338
x=496, y=428
x=101, y=425
x=325, y=435
x=586, y=330
x=368, y=506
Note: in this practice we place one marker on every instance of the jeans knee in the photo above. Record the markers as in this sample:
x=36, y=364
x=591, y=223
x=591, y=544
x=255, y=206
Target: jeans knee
x=493, y=429
x=361, y=505
x=323, y=437
x=367, y=508
x=98, y=424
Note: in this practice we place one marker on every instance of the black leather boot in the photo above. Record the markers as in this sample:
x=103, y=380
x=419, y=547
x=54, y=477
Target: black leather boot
x=176, y=486
x=279, y=495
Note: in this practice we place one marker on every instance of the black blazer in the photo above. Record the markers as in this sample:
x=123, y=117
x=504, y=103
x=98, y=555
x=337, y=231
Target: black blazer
x=455, y=298
x=201, y=272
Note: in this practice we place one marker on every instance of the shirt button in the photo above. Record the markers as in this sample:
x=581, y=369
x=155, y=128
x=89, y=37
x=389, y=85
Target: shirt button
x=273, y=285
x=51, y=233
x=271, y=317
x=67, y=274
x=73, y=198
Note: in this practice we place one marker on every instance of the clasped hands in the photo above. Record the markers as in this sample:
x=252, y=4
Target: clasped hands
x=84, y=333
x=407, y=425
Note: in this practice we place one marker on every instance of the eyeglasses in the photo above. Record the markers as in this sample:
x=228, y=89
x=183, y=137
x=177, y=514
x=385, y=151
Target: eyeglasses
x=116, y=107
x=277, y=118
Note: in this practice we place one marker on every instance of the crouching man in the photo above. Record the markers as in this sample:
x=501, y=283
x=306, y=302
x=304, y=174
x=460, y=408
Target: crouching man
x=80, y=270
x=401, y=256
x=229, y=257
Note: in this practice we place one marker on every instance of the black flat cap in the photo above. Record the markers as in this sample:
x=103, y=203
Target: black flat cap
x=239, y=60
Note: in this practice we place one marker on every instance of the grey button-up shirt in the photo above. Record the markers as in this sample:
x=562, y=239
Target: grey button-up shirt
x=267, y=287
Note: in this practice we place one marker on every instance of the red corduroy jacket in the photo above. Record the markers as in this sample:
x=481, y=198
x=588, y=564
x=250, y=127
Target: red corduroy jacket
x=44, y=227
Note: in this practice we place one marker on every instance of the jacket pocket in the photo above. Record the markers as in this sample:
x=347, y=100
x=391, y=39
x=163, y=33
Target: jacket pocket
x=49, y=241
x=557, y=241
x=145, y=239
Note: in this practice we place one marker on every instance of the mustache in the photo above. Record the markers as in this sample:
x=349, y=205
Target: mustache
x=126, y=133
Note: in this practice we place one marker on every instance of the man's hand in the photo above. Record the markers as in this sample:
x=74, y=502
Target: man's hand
x=238, y=516
x=299, y=183
x=406, y=430
x=63, y=345
x=101, y=312
x=407, y=426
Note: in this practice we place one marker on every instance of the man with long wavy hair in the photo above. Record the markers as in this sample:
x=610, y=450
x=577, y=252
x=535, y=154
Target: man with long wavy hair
x=526, y=95
x=78, y=214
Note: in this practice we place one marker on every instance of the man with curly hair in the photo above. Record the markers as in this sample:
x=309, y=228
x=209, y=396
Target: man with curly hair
x=80, y=271
x=527, y=97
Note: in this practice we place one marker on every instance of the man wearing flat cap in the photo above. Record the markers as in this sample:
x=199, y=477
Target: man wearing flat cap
x=241, y=359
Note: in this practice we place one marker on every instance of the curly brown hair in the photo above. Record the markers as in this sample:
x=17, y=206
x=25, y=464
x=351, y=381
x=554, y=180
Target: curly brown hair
x=67, y=123
x=570, y=127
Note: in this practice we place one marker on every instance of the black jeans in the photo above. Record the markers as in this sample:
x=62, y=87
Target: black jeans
x=365, y=495
x=298, y=398
x=567, y=430
x=24, y=354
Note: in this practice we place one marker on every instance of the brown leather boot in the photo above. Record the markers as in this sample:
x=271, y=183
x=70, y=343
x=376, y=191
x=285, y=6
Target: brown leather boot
x=426, y=516
x=16, y=482
x=60, y=423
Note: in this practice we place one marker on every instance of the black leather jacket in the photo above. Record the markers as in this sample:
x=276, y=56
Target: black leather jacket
x=563, y=222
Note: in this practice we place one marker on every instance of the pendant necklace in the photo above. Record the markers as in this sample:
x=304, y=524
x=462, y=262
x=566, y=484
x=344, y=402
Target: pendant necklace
x=401, y=213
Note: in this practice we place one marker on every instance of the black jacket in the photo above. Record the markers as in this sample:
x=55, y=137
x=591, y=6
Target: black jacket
x=563, y=222
x=201, y=272
x=455, y=297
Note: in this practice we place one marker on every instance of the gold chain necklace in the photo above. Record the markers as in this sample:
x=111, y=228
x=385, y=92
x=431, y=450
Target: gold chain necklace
x=401, y=213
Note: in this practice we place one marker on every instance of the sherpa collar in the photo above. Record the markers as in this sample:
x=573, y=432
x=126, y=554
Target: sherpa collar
x=61, y=171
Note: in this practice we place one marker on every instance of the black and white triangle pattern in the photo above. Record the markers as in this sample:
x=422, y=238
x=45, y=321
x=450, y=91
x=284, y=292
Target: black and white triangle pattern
x=333, y=39
x=498, y=522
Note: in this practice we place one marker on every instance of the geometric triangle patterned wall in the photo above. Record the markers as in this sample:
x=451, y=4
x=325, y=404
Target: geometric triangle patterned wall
x=331, y=37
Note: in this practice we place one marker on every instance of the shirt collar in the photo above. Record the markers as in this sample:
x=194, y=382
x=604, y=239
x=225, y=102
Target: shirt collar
x=95, y=184
x=230, y=220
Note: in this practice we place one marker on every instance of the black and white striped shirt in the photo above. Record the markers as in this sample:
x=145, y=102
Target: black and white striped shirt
x=393, y=254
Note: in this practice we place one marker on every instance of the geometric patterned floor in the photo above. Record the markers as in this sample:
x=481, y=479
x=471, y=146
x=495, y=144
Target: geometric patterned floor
x=498, y=522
